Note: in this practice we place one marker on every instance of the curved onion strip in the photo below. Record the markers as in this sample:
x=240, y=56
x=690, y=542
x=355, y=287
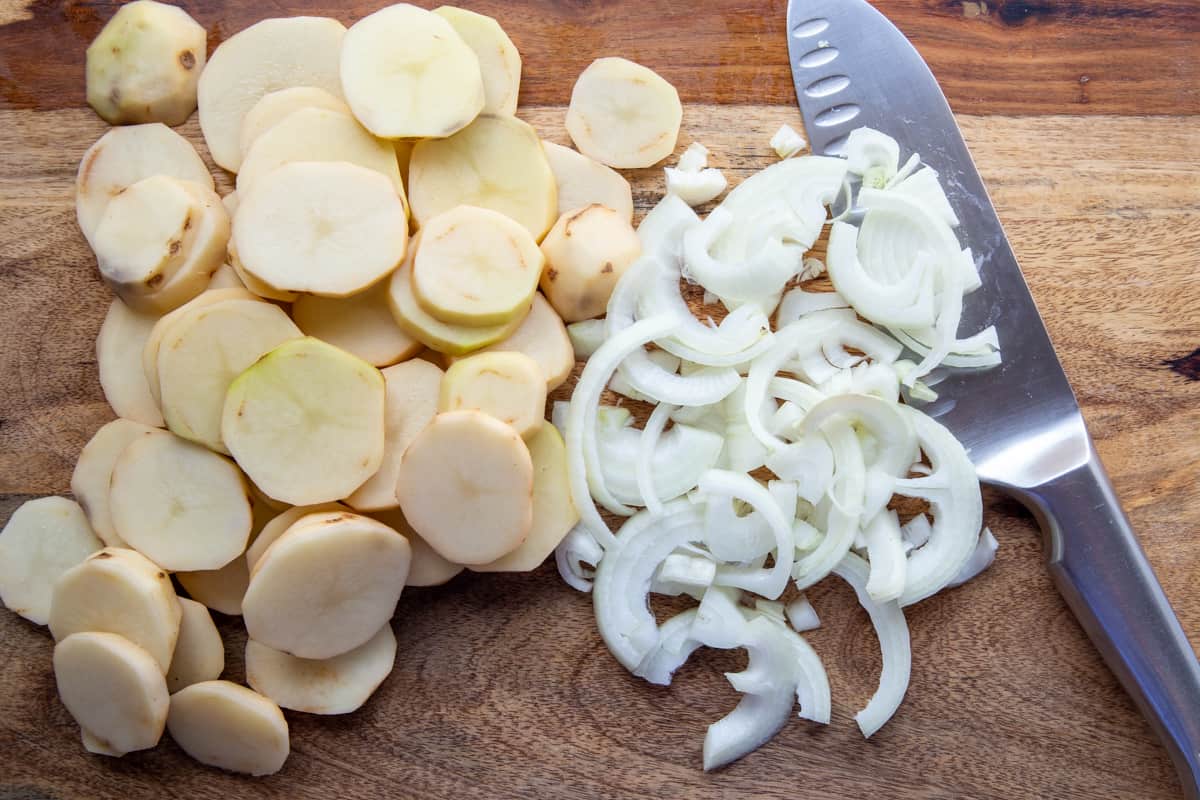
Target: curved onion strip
x=924, y=187
x=645, y=456
x=769, y=583
x=674, y=647
x=801, y=615
x=906, y=303
x=981, y=558
x=894, y=645
x=845, y=505
x=885, y=551
x=895, y=437
x=577, y=549
x=867, y=149
x=661, y=230
x=797, y=303
x=752, y=281
x=680, y=457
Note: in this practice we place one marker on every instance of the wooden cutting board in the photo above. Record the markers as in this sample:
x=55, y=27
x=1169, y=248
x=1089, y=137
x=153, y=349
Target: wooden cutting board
x=1082, y=117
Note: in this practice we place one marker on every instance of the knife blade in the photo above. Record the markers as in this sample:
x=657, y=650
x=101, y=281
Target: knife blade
x=1019, y=421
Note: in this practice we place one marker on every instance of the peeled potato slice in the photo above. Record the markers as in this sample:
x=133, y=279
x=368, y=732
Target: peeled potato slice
x=582, y=181
x=199, y=653
x=226, y=277
x=114, y=690
x=273, y=107
x=412, y=396
x=184, y=507
x=587, y=251
x=466, y=487
x=327, y=585
x=543, y=337
x=507, y=386
x=119, y=346
x=254, y=285
x=270, y=55
x=361, y=324
x=496, y=162
x=126, y=155
x=407, y=74
x=475, y=267
x=306, y=422
x=93, y=473
x=229, y=726
x=335, y=685
x=41, y=540
x=280, y=523
x=623, y=114
x=201, y=354
x=219, y=589
x=326, y=228
x=554, y=512
x=123, y=592
x=428, y=567
x=499, y=61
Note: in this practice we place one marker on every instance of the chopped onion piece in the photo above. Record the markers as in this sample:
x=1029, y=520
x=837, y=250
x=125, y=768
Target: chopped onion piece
x=787, y=142
x=695, y=188
x=577, y=556
x=801, y=615
x=586, y=337
x=694, y=158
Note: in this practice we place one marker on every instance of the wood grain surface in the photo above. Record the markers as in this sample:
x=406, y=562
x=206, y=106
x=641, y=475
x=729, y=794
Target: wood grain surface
x=502, y=687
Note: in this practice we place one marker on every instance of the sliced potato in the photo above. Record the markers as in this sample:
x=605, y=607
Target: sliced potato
x=201, y=354
x=327, y=585
x=508, y=386
x=184, y=507
x=587, y=252
x=126, y=155
x=554, y=512
x=280, y=523
x=119, y=347
x=266, y=57
x=496, y=162
x=41, y=540
x=330, y=228
x=466, y=487
x=199, y=653
x=254, y=285
x=114, y=690
x=93, y=473
x=273, y=107
x=623, y=114
x=306, y=422
x=118, y=591
x=428, y=567
x=335, y=685
x=499, y=61
x=144, y=65
x=407, y=74
x=542, y=337
x=582, y=181
x=226, y=277
x=229, y=726
x=220, y=589
x=412, y=397
x=361, y=324
x=230, y=201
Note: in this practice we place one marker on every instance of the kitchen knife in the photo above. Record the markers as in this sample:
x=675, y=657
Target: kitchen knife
x=1019, y=421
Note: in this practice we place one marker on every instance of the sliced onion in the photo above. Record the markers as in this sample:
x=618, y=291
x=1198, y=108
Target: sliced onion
x=885, y=551
x=680, y=457
x=797, y=303
x=802, y=616
x=647, y=445
x=771, y=582
x=842, y=507
x=577, y=556
x=869, y=150
x=981, y=558
x=674, y=647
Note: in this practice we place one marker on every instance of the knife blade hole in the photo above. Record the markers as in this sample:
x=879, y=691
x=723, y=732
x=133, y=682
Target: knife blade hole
x=810, y=28
x=837, y=115
x=827, y=86
x=818, y=58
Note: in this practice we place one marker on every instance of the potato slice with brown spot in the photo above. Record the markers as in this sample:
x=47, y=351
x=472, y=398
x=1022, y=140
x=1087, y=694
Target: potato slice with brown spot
x=199, y=653
x=508, y=386
x=41, y=540
x=587, y=252
x=229, y=726
x=543, y=337
x=279, y=524
x=93, y=473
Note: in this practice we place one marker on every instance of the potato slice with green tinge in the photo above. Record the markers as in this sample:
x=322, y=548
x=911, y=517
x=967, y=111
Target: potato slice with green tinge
x=327, y=585
x=587, y=251
x=508, y=386
x=428, y=567
x=123, y=592
x=543, y=337
x=583, y=181
x=114, y=689
x=335, y=685
x=306, y=422
x=499, y=61
x=119, y=347
x=623, y=114
x=41, y=540
x=229, y=726
x=280, y=523
x=554, y=512
x=273, y=107
x=361, y=324
x=199, y=653
x=466, y=487
x=93, y=474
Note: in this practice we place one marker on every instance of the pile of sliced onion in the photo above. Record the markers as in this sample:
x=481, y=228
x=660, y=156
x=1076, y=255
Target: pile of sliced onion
x=773, y=453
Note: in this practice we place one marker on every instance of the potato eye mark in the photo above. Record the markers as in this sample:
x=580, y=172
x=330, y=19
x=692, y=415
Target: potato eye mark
x=551, y=273
x=607, y=268
x=187, y=59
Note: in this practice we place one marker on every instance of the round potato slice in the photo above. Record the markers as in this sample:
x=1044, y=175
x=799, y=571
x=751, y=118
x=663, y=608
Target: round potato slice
x=268, y=56
x=273, y=107
x=499, y=61
x=475, y=267
x=280, y=523
x=335, y=685
x=199, y=653
x=114, y=690
x=93, y=473
x=508, y=386
x=201, y=354
x=123, y=592
x=361, y=324
x=126, y=155
x=582, y=182
x=412, y=396
x=543, y=337
x=554, y=512
x=587, y=251
x=229, y=726
x=330, y=228
x=119, y=347
x=466, y=487
x=428, y=567
x=623, y=114
x=407, y=73
x=306, y=422
x=219, y=589
x=184, y=507
x=253, y=284
x=496, y=162
x=41, y=540
x=327, y=585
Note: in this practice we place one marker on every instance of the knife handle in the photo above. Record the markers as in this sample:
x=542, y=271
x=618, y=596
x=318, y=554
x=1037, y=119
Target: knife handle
x=1102, y=572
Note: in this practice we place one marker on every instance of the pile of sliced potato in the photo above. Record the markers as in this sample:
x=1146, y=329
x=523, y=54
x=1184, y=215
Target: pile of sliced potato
x=286, y=448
